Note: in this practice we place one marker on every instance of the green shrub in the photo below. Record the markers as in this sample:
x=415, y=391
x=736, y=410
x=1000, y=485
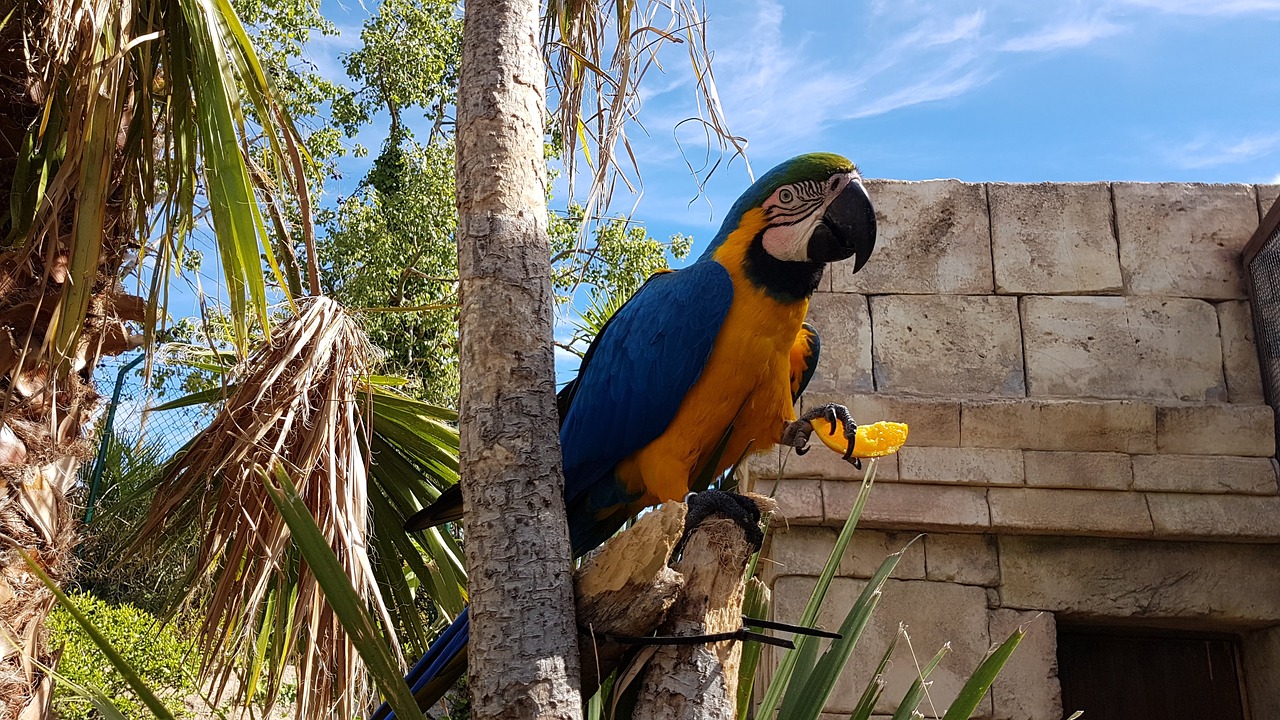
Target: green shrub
x=155, y=652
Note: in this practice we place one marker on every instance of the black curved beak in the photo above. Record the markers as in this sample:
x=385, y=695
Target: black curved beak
x=848, y=229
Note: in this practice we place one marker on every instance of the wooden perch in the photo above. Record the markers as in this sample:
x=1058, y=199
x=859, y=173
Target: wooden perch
x=700, y=682
x=626, y=589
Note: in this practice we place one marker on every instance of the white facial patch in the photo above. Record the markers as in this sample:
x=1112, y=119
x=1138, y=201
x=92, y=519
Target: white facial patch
x=794, y=212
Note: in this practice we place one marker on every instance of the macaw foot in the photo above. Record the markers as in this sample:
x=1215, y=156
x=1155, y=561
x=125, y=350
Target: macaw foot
x=731, y=505
x=796, y=433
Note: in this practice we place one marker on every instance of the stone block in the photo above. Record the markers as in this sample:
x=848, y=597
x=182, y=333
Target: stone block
x=1112, y=347
x=804, y=551
x=911, y=507
x=934, y=614
x=931, y=237
x=822, y=462
x=1267, y=197
x=1216, y=430
x=1184, y=240
x=844, y=324
x=947, y=345
x=1102, y=426
x=977, y=466
x=1054, y=238
x=1205, y=474
x=1069, y=512
x=1226, y=583
x=1261, y=655
x=1027, y=688
x=1230, y=517
x=964, y=559
x=932, y=422
x=1088, y=470
x=799, y=501
x=1239, y=354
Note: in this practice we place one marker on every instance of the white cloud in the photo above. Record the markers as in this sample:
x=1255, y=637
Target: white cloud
x=1209, y=152
x=1059, y=36
x=1208, y=7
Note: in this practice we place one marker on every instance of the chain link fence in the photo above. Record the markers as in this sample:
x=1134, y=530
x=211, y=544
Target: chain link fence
x=1262, y=268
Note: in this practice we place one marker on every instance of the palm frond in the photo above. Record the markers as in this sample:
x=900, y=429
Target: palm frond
x=354, y=449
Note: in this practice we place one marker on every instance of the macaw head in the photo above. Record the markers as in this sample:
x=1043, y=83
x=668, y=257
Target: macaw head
x=809, y=211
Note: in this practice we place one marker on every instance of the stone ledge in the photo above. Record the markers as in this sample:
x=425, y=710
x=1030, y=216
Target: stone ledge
x=799, y=501
x=1230, y=585
x=1071, y=425
x=1053, y=238
x=1222, y=429
x=1205, y=474
x=1226, y=517
x=1069, y=512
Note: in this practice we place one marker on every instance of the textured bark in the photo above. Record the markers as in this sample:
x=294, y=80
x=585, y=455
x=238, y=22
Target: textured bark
x=626, y=590
x=523, y=648
x=700, y=682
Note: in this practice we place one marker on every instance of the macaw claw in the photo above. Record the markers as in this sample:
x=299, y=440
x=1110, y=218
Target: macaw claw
x=825, y=419
x=836, y=429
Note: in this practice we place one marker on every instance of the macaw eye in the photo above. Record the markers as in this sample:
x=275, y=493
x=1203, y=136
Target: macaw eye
x=785, y=196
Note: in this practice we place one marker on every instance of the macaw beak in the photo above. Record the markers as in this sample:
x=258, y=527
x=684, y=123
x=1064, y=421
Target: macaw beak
x=848, y=229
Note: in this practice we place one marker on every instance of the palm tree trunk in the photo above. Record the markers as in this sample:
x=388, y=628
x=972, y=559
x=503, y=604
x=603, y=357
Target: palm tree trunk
x=523, y=649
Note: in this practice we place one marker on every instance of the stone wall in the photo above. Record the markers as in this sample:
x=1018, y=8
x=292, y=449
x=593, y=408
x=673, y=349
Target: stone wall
x=1089, y=440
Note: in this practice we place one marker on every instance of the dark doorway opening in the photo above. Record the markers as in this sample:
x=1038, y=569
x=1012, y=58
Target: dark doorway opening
x=1114, y=674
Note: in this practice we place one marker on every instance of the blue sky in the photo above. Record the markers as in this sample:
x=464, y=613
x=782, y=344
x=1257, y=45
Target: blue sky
x=992, y=90
x=999, y=90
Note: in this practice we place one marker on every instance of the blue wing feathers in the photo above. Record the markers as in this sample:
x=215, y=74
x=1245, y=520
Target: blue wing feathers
x=638, y=371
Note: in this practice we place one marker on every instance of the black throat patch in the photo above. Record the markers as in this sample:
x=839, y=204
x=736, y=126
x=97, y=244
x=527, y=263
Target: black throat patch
x=783, y=281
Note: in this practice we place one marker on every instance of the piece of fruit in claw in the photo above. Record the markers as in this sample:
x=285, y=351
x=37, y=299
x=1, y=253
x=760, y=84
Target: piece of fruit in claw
x=872, y=441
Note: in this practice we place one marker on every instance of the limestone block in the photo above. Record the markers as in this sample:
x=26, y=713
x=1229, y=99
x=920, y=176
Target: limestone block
x=947, y=345
x=1111, y=347
x=1267, y=196
x=804, y=551
x=1235, y=517
x=1239, y=354
x=977, y=466
x=1105, y=426
x=911, y=507
x=844, y=325
x=1027, y=688
x=934, y=613
x=933, y=422
x=1053, y=238
x=1069, y=512
x=931, y=237
x=1184, y=240
x=1261, y=651
x=822, y=462
x=1205, y=474
x=799, y=501
x=1089, y=470
x=964, y=559
x=1216, y=430
x=1225, y=582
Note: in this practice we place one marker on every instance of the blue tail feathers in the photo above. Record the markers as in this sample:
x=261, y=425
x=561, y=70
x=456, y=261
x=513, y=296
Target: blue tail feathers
x=434, y=665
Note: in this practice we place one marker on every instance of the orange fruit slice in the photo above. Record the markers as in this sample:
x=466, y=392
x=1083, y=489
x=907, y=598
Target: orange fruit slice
x=872, y=441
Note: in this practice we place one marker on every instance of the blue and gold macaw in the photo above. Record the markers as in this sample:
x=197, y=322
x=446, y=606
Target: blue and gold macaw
x=700, y=366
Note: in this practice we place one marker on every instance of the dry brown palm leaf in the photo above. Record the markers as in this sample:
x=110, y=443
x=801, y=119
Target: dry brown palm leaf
x=294, y=402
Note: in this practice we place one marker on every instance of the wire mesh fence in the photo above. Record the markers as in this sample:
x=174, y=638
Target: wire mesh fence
x=1262, y=266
